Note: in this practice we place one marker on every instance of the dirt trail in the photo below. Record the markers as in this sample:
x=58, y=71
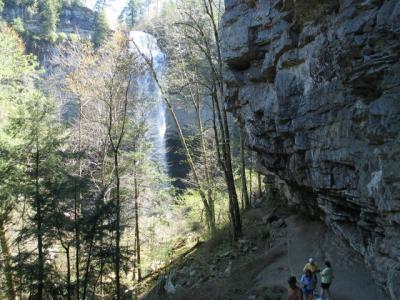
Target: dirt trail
x=261, y=274
x=312, y=239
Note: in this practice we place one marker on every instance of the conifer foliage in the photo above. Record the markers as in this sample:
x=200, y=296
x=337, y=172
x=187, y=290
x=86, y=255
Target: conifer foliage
x=86, y=210
x=49, y=11
x=31, y=166
x=101, y=28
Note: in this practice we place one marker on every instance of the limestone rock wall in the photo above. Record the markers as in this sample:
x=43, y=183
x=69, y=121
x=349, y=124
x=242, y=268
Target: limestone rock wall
x=72, y=19
x=78, y=20
x=317, y=86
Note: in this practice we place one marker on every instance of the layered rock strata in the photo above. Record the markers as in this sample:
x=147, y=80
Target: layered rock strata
x=317, y=86
x=72, y=19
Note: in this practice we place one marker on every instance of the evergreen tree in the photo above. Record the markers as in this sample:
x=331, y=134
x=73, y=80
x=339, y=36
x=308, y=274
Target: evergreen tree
x=40, y=159
x=49, y=17
x=31, y=167
x=131, y=12
x=16, y=71
x=101, y=30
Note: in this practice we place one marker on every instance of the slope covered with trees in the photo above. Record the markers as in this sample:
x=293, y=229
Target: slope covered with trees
x=89, y=204
x=85, y=208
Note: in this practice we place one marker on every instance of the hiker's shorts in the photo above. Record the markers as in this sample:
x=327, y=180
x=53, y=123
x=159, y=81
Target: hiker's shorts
x=307, y=292
x=325, y=286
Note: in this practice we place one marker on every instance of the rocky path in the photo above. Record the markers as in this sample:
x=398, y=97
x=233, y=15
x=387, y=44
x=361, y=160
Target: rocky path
x=259, y=269
x=312, y=239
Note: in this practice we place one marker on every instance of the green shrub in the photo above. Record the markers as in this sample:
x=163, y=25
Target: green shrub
x=18, y=25
x=62, y=37
x=52, y=37
x=49, y=17
x=74, y=37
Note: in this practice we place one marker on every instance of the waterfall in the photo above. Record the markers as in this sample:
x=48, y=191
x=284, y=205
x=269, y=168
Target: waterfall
x=148, y=89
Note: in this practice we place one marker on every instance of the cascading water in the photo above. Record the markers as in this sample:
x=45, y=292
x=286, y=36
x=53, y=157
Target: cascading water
x=147, y=45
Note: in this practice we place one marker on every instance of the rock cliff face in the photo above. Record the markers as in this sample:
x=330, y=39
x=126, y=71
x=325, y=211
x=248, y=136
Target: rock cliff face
x=76, y=20
x=317, y=86
x=73, y=19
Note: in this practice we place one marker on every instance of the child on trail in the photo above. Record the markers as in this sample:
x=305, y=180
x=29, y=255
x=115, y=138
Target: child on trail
x=326, y=280
x=308, y=282
x=294, y=292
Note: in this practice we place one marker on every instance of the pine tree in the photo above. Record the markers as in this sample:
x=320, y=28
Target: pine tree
x=49, y=17
x=101, y=29
x=131, y=12
x=38, y=154
x=16, y=71
x=31, y=167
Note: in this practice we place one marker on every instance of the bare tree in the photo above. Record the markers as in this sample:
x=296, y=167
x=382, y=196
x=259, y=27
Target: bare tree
x=101, y=83
x=199, y=184
x=197, y=27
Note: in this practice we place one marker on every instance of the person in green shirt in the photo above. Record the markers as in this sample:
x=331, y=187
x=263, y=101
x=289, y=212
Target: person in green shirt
x=326, y=280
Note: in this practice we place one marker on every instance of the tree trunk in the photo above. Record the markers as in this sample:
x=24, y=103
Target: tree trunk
x=251, y=175
x=245, y=193
x=234, y=204
x=137, y=231
x=210, y=213
x=226, y=164
x=101, y=279
x=20, y=256
x=208, y=201
x=77, y=204
x=68, y=273
x=259, y=184
x=77, y=244
x=39, y=220
x=7, y=263
x=117, y=228
x=115, y=145
x=88, y=261
x=235, y=211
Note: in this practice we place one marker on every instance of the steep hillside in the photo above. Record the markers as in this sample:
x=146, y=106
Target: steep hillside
x=316, y=84
x=275, y=244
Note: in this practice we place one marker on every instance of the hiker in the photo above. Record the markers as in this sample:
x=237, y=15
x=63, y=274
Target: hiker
x=313, y=267
x=294, y=292
x=308, y=282
x=326, y=280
